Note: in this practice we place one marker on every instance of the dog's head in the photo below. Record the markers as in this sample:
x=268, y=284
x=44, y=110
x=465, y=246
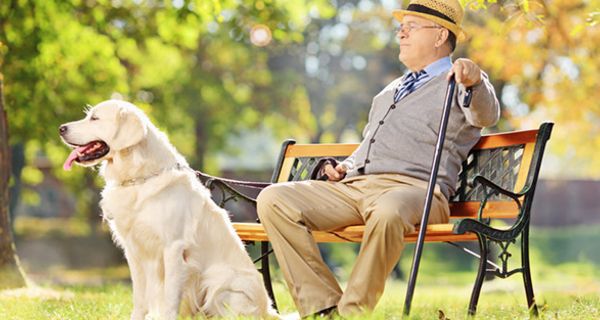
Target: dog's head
x=108, y=128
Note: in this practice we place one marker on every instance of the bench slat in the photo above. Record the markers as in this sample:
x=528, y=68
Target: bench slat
x=493, y=209
x=506, y=139
x=345, y=149
x=524, y=167
x=321, y=150
x=435, y=232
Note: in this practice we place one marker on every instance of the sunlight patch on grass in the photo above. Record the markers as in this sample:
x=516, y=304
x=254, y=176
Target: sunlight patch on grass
x=35, y=292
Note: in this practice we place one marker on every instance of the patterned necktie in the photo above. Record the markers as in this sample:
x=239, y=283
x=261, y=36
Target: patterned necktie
x=408, y=84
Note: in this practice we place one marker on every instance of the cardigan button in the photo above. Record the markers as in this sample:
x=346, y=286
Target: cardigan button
x=393, y=106
x=367, y=161
x=372, y=140
x=381, y=122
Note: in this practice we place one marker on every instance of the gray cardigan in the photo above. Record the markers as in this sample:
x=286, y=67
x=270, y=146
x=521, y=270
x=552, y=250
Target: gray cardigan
x=400, y=138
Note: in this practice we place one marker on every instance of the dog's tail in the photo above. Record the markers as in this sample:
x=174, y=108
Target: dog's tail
x=234, y=292
x=193, y=296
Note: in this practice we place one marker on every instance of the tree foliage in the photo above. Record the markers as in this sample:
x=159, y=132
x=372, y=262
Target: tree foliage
x=546, y=55
x=188, y=61
x=193, y=67
x=189, y=64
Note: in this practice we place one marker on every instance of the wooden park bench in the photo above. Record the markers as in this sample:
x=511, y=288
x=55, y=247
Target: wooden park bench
x=497, y=181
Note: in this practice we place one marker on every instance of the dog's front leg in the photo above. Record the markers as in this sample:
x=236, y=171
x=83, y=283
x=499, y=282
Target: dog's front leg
x=138, y=280
x=175, y=277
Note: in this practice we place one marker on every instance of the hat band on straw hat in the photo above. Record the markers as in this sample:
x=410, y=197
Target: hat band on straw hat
x=426, y=10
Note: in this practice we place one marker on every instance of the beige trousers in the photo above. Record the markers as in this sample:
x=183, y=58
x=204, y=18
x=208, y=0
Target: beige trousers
x=389, y=205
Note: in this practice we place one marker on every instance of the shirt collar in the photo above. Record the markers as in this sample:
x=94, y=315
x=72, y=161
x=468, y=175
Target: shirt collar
x=439, y=66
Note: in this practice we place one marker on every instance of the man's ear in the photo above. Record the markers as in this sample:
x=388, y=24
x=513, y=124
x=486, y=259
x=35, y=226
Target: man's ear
x=442, y=37
x=130, y=130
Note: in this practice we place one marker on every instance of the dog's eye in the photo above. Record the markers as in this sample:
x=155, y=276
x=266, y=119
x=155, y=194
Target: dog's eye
x=93, y=118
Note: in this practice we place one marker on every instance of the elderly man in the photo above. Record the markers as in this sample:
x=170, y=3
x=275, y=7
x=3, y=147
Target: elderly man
x=383, y=183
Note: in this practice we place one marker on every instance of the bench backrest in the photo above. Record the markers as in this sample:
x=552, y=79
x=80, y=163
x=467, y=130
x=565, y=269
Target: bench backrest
x=512, y=160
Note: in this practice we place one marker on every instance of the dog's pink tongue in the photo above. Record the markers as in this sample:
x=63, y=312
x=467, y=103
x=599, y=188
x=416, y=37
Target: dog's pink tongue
x=69, y=162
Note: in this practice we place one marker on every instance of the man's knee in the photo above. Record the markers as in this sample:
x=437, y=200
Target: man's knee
x=387, y=216
x=391, y=219
x=267, y=201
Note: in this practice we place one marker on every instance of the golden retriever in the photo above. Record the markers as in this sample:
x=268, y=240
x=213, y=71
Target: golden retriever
x=180, y=246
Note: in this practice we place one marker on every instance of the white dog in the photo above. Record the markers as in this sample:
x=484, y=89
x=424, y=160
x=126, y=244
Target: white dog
x=180, y=246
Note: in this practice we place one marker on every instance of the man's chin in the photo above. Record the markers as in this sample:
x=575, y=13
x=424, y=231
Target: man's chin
x=402, y=58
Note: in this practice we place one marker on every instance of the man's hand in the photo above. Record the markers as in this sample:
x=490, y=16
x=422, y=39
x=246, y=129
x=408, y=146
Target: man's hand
x=467, y=72
x=335, y=174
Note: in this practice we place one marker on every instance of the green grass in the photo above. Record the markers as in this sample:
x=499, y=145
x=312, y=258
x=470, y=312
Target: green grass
x=565, y=272
x=499, y=300
x=105, y=302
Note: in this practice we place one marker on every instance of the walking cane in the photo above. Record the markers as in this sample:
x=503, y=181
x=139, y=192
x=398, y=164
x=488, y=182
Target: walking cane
x=427, y=208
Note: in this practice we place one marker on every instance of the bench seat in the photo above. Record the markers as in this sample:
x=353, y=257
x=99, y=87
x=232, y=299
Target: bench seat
x=435, y=233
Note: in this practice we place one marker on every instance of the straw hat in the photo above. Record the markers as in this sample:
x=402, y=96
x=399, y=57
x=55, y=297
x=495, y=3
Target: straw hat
x=447, y=13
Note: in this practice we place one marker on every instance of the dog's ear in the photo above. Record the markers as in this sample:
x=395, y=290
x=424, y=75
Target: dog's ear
x=130, y=130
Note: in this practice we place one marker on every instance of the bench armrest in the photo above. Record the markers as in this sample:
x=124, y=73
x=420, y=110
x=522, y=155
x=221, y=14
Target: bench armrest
x=482, y=228
x=496, y=188
x=232, y=189
x=471, y=225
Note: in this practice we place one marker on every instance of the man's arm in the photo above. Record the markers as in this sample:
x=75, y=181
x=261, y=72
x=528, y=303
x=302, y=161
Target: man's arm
x=484, y=108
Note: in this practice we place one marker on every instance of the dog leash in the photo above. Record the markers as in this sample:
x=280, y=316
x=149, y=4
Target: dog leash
x=249, y=184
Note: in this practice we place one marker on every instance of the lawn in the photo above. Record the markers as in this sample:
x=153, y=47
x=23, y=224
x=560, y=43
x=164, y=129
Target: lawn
x=499, y=300
x=565, y=272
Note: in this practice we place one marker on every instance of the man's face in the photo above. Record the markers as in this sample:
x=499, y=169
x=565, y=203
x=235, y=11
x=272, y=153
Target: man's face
x=417, y=42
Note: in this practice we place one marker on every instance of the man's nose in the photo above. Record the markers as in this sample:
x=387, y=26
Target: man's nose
x=63, y=130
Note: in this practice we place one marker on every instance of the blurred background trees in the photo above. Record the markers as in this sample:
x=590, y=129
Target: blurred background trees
x=228, y=80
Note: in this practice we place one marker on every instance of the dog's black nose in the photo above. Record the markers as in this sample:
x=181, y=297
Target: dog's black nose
x=62, y=130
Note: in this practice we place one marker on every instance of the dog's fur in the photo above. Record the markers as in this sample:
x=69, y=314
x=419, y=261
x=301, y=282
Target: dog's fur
x=180, y=246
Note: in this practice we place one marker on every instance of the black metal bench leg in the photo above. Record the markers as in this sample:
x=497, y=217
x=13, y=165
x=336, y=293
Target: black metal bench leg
x=527, y=273
x=265, y=271
x=483, y=252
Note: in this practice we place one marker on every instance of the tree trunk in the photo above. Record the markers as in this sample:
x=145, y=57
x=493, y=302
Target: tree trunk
x=17, y=162
x=11, y=275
